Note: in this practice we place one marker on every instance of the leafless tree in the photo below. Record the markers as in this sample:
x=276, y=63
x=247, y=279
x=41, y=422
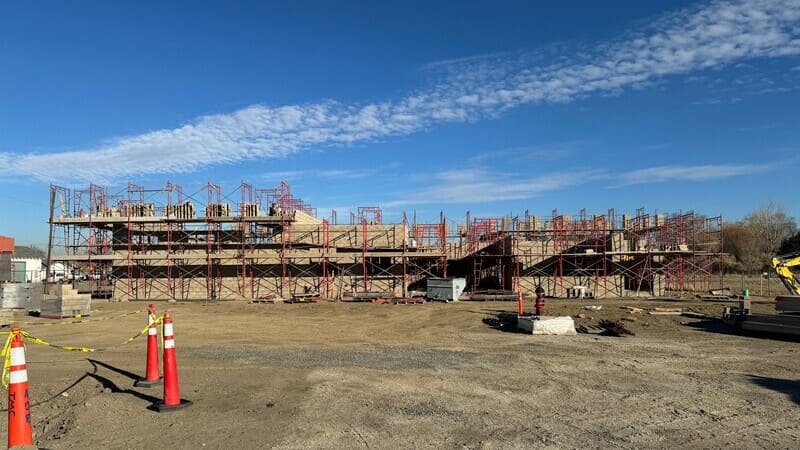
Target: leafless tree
x=769, y=225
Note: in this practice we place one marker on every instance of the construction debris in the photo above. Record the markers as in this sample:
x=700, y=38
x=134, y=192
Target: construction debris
x=591, y=329
x=399, y=301
x=724, y=292
x=665, y=312
x=615, y=328
x=267, y=299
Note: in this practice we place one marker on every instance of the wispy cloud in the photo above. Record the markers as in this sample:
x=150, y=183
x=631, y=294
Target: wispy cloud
x=472, y=186
x=705, y=172
x=551, y=152
x=337, y=174
x=716, y=101
x=698, y=38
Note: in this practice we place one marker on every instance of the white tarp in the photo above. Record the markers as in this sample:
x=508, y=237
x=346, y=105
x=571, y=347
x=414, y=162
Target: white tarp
x=559, y=326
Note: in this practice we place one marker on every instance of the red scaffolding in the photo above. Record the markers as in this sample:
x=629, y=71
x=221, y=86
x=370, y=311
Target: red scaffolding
x=157, y=250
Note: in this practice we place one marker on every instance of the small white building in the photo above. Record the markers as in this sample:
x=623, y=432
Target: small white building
x=27, y=270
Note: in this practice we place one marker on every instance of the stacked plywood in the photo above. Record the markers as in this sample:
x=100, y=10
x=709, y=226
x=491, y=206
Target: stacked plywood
x=107, y=211
x=65, y=302
x=532, y=223
x=249, y=209
x=138, y=210
x=218, y=210
x=183, y=210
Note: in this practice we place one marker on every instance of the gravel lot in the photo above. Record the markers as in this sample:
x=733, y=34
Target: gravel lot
x=339, y=375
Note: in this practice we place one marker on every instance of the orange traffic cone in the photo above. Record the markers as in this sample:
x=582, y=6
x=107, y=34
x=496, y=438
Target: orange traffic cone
x=151, y=371
x=172, y=395
x=19, y=401
x=520, y=306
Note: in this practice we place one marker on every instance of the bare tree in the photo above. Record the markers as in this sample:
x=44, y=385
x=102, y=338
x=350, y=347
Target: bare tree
x=770, y=225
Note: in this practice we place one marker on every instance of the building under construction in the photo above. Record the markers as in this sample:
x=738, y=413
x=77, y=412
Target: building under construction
x=259, y=244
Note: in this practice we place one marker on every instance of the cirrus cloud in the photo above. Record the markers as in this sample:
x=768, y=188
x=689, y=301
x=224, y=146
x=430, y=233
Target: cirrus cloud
x=468, y=89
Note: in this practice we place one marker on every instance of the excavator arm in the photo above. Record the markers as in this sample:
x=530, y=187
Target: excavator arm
x=783, y=266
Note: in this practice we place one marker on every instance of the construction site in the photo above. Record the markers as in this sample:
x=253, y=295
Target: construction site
x=400, y=225
x=163, y=243
x=299, y=330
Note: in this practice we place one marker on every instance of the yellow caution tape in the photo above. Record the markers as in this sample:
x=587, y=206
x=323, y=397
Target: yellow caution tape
x=6, y=355
x=156, y=320
x=71, y=322
x=35, y=340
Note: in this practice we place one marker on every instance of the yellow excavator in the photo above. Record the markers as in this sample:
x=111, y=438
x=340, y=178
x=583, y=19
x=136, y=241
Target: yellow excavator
x=783, y=266
x=787, y=320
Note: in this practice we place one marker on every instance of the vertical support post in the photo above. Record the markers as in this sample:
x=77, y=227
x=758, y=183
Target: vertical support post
x=325, y=254
x=364, y=231
x=443, y=242
x=168, y=215
x=50, y=241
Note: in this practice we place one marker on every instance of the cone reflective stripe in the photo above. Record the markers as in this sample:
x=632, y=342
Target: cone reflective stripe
x=19, y=402
x=172, y=396
x=151, y=370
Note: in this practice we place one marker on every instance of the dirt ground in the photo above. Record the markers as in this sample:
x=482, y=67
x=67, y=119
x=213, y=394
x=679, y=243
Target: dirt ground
x=344, y=375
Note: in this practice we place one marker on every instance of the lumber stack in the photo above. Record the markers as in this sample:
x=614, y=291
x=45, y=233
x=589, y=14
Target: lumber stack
x=66, y=302
x=788, y=304
x=249, y=209
x=773, y=323
x=183, y=210
x=218, y=210
x=138, y=210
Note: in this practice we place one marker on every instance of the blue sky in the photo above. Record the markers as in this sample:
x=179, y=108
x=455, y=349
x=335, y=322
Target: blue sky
x=492, y=107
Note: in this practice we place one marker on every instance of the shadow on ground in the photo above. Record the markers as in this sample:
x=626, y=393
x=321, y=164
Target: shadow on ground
x=713, y=326
x=789, y=387
x=720, y=327
x=107, y=383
